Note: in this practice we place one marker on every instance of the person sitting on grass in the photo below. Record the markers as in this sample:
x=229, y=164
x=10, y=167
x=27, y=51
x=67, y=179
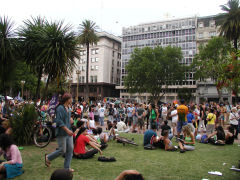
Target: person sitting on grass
x=130, y=175
x=229, y=135
x=80, y=145
x=189, y=141
x=168, y=146
x=12, y=167
x=217, y=137
x=61, y=174
x=164, y=127
x=6, y=126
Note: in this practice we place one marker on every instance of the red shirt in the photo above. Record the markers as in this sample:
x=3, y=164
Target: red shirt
x=79, y=147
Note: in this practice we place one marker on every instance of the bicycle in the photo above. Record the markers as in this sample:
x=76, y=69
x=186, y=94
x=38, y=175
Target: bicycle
x=42, y=133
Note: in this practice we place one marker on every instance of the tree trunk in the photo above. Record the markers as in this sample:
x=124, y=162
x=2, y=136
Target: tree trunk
x=220, y=95
x=46, y=87
x=37, y=95
x=235, y=43
x=87, y=66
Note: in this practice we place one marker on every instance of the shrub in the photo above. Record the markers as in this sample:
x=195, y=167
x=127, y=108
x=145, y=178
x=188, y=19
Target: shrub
x=22, y=124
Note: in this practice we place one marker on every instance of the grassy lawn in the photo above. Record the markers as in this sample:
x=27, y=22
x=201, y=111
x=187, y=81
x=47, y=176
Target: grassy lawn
x=153, y=164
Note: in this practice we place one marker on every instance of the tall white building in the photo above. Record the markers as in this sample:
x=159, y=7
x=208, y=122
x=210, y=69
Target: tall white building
x=104, y=68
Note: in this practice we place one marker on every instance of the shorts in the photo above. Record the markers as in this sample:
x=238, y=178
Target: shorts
x=180, y=124
x=210, y=128
x=135, y=120
x=188, y=147
x=96, y=118
x=140, y=122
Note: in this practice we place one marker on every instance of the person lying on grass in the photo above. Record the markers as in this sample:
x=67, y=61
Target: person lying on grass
x=80, y=145
x=188, y=143
x=12, y=167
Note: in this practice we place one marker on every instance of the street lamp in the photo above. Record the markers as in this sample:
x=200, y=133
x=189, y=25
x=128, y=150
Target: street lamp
x=77, y=72
x=22, y=83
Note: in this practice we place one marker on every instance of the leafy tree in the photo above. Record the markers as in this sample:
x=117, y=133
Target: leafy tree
x=31, y=34
x=8, y=49
x=49, y=48
x=153, y=70
x=22, y=72
x=185, y=93
x=87, y=36
x=59, y=51
x=230, y=21
x=208, y=63
x=230, y=78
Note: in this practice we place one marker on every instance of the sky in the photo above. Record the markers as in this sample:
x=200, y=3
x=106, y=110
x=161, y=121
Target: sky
x=109, y=15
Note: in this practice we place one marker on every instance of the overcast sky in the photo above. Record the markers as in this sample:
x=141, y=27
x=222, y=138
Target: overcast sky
x=109, y=15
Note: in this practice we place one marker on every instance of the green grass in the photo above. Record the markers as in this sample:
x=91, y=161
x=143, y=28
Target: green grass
x=153, y=164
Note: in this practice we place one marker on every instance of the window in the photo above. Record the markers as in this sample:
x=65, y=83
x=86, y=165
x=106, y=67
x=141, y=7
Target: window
x=96, y=51
x=92, y=60
x=81, y=53
x=212, y=33
x=84, y=52
x=92, y=67
x=200, y=24
x=200, y=35
x=113, y=53
x=80, y=61
x=93, y=51
x=212, y=23
x=96, y=59
x=83, y=68
x=96, y=67
x=95, y=78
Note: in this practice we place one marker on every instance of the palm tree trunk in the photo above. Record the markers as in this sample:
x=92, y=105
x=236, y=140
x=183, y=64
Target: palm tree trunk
x=38, y=84
x=87, y=66
x=235, y=43
x=220, y=95
x=46, y=87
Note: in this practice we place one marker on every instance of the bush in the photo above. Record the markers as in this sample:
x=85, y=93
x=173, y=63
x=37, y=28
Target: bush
x=22, y=124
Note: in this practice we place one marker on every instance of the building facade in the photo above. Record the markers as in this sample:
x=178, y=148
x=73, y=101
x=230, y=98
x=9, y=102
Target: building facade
x=104, y=68
x=177, y=32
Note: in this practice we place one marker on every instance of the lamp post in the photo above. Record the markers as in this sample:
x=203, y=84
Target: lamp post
x=77, y=72
x=22, y=83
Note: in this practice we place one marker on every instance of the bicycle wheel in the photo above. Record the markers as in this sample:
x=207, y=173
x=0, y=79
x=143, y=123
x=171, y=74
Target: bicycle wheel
x=42, y=136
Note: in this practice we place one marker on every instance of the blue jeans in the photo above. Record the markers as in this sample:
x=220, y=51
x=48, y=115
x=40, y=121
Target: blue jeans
x=101, y=120
x=65, y=146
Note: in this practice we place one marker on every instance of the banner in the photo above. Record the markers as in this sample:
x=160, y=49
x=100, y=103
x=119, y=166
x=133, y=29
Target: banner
x=52, y=105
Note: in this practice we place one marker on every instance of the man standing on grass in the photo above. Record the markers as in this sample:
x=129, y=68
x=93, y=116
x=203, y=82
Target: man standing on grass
x=182, y=111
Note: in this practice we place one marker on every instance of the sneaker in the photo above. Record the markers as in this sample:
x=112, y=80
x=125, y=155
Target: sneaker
x=182, y=151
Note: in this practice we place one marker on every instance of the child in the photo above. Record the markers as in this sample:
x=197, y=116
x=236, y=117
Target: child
x=13, y=166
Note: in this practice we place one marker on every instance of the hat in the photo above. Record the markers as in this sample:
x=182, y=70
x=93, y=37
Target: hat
x=234, y=109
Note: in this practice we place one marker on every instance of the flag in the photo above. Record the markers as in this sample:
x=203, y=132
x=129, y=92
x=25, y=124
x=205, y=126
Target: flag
x=52, y=105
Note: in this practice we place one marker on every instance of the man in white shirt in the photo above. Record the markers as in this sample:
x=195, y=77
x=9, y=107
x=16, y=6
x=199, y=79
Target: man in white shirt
x=121, y=126
x=234, y=118
x=164, y=112
x=174, y=116
x=101, y=113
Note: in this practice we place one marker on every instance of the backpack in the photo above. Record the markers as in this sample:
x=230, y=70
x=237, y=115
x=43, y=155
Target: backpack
x=204, y=139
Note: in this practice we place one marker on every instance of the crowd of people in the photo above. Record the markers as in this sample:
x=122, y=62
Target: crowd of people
x=83, y=125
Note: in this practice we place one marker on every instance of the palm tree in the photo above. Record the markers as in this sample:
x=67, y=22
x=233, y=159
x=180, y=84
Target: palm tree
x=30, y=35
x=87, y=36
x=8, y=45
x=230, y=21
x=59, y=52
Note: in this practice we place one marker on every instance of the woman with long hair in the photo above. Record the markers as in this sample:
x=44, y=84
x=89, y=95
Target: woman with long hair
x=63, y=133
x=12, y=167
